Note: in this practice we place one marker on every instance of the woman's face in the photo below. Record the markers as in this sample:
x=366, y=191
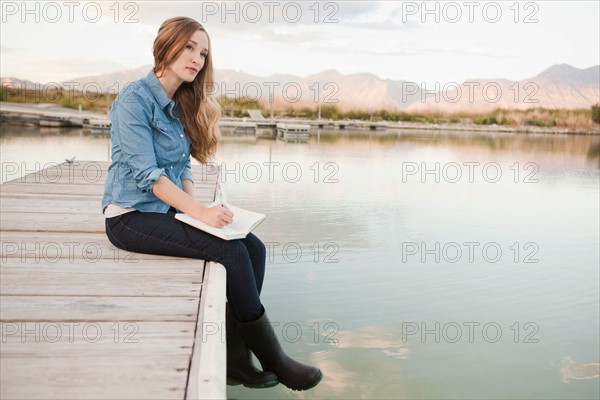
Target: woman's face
x=191, y=60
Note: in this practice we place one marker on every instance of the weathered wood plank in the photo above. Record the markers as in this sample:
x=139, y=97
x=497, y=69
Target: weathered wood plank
x=78, y=281
x=111, y=376
x=201, y=179
x=40, y=222
x=59, y=192
x=12, y=202
x=97, y=308
x=93, y=247
x=90, y=171
x=57, y=189
x=89, y=167
x=208, y=370
x=48, y=203
x=51, y=338
x=87, y=178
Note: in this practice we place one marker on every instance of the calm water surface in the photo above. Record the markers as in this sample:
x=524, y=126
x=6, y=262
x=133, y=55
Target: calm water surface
x=415, y=265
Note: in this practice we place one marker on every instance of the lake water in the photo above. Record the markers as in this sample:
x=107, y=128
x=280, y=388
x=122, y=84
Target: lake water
x=415, y=264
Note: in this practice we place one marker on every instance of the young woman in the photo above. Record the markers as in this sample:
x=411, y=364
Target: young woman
x=157, y=123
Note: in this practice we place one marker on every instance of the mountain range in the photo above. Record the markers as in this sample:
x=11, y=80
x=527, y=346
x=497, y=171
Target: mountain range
x=560, y=86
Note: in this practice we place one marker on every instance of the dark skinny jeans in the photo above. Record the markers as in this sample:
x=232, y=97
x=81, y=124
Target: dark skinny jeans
x=156, y=233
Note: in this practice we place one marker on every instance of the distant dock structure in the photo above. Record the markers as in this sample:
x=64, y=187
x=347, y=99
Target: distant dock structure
x=248, y=128
x=51, y=116
x=293, y=132
x=54, y=122
x=255, y=125
x=100, y=125
x=239, y=129
x=265, y=128
x=256, y=114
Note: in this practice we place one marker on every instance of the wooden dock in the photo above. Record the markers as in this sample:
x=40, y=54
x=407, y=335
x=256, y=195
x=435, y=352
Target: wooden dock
x=81, y=319
x=293, y=132
x=236, y=128
x=51, y=115
x=256, y=125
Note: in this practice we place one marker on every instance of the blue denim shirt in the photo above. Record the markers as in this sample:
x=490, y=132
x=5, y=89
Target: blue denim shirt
x=148, y=141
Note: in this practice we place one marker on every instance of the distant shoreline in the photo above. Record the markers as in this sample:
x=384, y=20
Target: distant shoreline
x=31, y=115
x=496, y=128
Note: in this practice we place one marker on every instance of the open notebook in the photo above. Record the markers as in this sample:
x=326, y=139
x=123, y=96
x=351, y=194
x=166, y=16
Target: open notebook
x=244, y=222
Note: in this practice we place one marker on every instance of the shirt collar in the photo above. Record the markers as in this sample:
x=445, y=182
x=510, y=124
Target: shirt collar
x=159, y=93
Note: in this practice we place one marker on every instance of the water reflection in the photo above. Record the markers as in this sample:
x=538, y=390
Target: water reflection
x=594, y=152
x=367, y=363
x=372, y=337
x=370, y=211
x=579, y=371
x=588, y=145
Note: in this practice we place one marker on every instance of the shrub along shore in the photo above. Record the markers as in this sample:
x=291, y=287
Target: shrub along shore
x=533, y=119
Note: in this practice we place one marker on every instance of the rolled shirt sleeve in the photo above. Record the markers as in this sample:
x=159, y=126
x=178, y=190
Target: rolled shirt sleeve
x=187, y=172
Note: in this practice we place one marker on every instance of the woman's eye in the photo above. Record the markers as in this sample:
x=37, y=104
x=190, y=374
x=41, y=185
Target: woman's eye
x=189, y=46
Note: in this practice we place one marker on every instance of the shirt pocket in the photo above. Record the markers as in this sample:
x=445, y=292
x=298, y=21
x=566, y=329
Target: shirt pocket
x=164, y=136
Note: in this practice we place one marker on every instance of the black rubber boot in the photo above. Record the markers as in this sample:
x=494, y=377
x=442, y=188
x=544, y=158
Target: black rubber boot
x=261, y=339
x=240, y=368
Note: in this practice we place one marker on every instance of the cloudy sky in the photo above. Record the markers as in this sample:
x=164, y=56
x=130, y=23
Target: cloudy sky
x=419, y=41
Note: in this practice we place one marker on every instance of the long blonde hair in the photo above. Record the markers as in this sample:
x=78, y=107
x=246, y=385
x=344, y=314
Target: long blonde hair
x=199, y=111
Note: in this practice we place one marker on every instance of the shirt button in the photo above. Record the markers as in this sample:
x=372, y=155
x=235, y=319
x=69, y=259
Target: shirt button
x=183, y=155
x=181, y=135
x=171, y=167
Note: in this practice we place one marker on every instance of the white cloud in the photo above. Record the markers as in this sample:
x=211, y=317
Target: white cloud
x=62, y=69
x=384, y=38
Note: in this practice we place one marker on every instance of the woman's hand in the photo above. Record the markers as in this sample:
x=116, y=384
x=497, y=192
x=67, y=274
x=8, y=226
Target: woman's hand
x=217, y=216
x=167, y=191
